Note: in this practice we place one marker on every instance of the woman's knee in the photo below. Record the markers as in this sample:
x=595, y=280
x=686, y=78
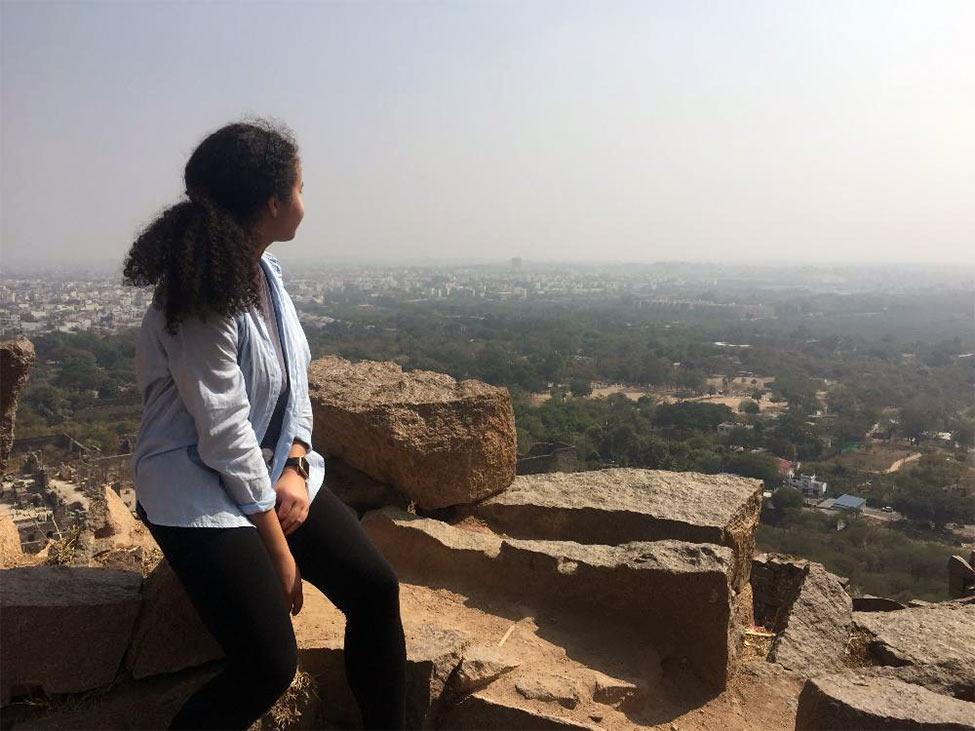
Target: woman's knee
x=270, y=673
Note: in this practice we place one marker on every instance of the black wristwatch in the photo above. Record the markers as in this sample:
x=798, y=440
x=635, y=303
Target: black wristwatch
x=300, y=464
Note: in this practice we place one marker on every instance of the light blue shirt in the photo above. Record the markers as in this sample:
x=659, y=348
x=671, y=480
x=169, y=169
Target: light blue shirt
x=207, y=398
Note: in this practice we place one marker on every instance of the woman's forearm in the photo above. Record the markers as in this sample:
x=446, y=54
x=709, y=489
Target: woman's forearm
x=269, y=528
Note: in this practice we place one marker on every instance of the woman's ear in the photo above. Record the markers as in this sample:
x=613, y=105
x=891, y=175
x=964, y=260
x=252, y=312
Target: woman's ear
x=273, y=206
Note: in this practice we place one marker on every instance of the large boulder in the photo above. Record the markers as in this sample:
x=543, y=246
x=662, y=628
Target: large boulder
x=817, y=627
x=16, y=360
x=64, y=629
x=441, y=442
x=620, y=505
x=851, y=701
x=933, y=645
x=686, y=588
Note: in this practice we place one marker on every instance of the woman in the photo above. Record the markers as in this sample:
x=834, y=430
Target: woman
x=225, y=441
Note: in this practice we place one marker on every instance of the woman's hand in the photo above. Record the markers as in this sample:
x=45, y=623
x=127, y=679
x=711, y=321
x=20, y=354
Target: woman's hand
x=290, y=577
x=292, y=504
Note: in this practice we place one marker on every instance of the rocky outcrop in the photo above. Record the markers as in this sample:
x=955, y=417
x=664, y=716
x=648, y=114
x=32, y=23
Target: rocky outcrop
x=930, y=645
x=817, y=628
x=850, y=701
x=614, y=506
x=64, y=629
x=685, y=587
x=16, y=360
x=437, y=440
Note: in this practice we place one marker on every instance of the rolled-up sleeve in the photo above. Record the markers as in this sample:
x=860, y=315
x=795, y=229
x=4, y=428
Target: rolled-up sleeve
x=203, y=362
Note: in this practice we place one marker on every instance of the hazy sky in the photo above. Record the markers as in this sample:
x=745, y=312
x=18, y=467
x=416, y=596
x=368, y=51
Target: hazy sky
x=612, y=130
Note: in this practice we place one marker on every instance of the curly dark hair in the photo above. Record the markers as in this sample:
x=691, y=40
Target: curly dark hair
x=199, y=253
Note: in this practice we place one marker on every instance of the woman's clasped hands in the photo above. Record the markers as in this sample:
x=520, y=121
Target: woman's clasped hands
x=292, y=504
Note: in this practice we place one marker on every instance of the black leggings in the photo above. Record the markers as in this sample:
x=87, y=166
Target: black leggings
x=229, y=577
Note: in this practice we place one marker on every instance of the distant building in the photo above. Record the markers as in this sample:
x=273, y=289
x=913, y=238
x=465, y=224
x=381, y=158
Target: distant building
x=808, y=485
x=849, y=502
x=516, y=263
x=726, y=427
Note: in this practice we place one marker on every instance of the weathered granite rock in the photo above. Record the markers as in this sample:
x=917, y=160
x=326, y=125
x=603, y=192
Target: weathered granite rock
x=480, y=711
x=440, y=441
x=64, y=629
x=818, y=626
x=685, y=587
x=937, y=640
x=11, y=551
x=359, y=491
x=869, y=603
x=16, y=360
x=168, y=634
x=614, y=691
x=432, y=657
x=961, y=577
x=433, y=653
x=849, y=701
x=621, y=505
x=548, y=688
x=480, y=665
x=776, y=581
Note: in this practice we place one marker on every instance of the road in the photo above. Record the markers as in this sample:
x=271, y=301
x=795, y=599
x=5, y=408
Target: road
x=903, y=461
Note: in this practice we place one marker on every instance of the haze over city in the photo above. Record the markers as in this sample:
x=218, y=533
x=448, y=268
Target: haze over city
x=818, y=131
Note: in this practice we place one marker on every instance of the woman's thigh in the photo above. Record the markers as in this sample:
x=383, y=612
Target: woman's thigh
x=335, y=554
x=230, y=580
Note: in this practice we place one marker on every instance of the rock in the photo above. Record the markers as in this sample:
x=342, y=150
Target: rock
x=358, y=490
x=776, y=581
x=432, y=655
x=11, y=551
x=818, y=626
x=480, y=665
x=326, y=662
x=935, y=640
x=620, y=505
x=849, y=701
x=115, y=526
x=684, y=587
x=437, y=440
x=868, y=603
x=548, y=689
x=16, y=360
x=168, y=634
x=961, y=578
x=64, y=629
x=480, y=711
x=613, y=691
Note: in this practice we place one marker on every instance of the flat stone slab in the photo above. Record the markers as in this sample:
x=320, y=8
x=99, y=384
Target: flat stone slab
x=937, y=639
x=440, y=441
x=676, y=594
x=64, y=628
x=620, y=505
x=850, y=701
x=480, y=711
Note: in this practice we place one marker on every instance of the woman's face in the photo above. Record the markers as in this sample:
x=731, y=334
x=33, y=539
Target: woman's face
x=289, y=214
